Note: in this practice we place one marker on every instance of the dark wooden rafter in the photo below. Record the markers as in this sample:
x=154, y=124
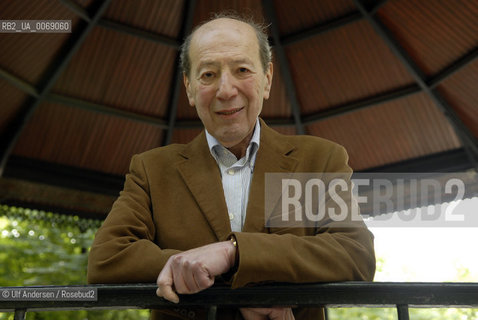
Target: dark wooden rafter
x=321, y=28
x=377, y=5
x=270, y=13
x=139, y=33
x=177, y=76
x=360, y=104
x=327, y=26
x=49, y=78
x=454, y=67
x=77, y=9
x=19, y=83
x=111, y=111
x=121, y=27
x=467, y=139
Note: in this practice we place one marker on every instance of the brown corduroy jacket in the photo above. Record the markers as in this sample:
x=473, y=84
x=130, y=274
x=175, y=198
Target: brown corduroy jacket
x=173, y=201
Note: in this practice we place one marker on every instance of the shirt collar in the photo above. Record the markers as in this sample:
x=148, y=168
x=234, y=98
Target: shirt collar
x=251, y=148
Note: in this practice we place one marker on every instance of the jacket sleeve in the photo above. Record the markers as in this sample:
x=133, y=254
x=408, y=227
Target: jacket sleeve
x=333, y=251
x=124, y=249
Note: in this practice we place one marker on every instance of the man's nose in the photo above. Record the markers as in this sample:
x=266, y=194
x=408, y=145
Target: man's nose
x=227, y=86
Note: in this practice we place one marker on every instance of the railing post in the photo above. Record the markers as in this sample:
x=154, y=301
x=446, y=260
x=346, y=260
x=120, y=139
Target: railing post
x=211, y=314
x=402, y=310
x=20, y=314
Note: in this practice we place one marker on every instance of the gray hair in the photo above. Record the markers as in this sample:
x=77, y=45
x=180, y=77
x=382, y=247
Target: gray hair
x=265, y=52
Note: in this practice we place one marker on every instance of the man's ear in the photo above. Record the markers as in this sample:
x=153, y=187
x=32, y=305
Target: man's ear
x=268, y=84
x=189, y=92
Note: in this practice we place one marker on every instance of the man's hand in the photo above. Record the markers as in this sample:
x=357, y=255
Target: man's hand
x=194, y=270
x=276, y=313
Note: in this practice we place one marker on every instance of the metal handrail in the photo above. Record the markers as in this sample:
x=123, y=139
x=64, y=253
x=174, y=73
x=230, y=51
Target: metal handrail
x=340, y=294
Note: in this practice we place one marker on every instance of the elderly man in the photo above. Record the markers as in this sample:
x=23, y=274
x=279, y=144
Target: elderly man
x=191, y=213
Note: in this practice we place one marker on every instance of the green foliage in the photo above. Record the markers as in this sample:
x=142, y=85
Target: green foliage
x=362, y=313
x=43, y=248
x=391, y=314
x=443, y=313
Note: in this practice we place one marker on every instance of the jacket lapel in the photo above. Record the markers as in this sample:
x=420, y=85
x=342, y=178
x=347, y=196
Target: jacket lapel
x=272, y=157
x=201, y=174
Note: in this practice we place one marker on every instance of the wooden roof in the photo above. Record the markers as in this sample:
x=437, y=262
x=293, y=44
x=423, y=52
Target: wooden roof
x=395, y=82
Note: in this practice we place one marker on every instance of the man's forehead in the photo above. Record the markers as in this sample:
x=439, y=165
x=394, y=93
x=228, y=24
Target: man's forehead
x=223, y=25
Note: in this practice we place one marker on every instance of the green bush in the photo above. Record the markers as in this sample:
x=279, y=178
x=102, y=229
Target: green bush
x=42, y=248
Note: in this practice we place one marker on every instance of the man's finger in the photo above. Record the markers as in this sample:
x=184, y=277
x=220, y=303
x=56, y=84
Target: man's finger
x=165, y=285
x=167, y=293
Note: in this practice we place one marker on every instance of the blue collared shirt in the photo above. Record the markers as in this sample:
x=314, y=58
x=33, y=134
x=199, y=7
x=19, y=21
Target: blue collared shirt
x=236, y=175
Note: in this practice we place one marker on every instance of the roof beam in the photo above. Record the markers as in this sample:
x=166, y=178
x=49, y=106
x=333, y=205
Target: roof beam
x=78, y=103
x=284, y=65
x=139, y=33
x=321, y=28
x=454, y=67
x=328, y=25
x=19, y=83
x=9, y=140
x=376, y=6
x=63, y=176
x=466, y=137
x=177, y=76
x=123, y=28
x=448, y=161
x=361, y=104
x=77, y=9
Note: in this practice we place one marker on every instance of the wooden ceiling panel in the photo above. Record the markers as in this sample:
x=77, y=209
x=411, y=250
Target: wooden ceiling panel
x=84, y=3
x=434, y=33
x=460, y=91
x=185, y=111
x=395, y=131
x=294, y=16
x=80, y=138
x=120, y=71
x=159, y=16
x=206, y=8
x=11, y=101
x=185, y=135
x=28, y=55
x=346, y=64
x=278, y=105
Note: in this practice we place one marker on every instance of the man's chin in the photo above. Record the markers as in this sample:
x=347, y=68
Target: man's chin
x=230, y=139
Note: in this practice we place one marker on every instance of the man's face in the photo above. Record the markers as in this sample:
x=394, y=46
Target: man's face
x=227, y=83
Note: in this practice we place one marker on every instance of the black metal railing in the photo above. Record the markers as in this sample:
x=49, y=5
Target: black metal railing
x=342, y=294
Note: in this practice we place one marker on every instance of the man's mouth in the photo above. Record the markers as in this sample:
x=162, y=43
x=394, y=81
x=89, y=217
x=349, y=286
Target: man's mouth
x=228, y=112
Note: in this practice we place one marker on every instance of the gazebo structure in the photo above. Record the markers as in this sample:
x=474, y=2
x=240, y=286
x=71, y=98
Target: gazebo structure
x=395, y=82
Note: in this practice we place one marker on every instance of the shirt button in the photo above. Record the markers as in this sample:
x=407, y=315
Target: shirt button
x=230, y=172
x=231, y=216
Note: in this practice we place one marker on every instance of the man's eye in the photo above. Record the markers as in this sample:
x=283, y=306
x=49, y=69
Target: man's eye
x=207, y=75
x=243, y=70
